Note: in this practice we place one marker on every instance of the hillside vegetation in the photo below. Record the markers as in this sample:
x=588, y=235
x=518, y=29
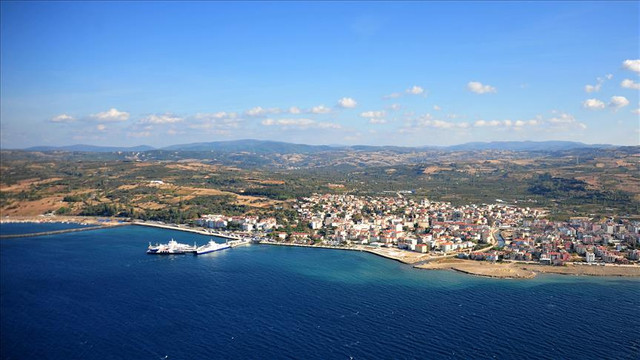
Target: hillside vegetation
x=181, y=185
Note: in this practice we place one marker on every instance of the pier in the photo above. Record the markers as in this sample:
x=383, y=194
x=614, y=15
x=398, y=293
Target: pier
x=56, y=232
x=201, y=231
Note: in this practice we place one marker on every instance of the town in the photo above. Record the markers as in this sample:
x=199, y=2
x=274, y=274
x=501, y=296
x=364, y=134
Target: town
x=487, y=232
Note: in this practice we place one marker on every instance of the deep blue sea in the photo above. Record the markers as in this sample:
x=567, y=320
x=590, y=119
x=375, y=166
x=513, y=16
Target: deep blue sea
x=97, y=295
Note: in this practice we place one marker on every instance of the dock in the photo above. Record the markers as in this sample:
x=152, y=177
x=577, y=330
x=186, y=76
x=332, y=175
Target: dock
x=201, y=231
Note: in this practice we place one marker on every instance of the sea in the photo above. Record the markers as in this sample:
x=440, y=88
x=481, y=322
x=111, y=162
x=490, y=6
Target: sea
x=98, y=295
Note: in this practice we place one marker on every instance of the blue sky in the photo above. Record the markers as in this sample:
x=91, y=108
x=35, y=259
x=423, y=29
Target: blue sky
x=434, y=73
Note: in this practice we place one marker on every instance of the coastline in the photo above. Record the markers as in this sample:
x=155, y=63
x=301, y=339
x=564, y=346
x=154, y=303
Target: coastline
x=507, y=270
x=513, y=270
x=387, y=253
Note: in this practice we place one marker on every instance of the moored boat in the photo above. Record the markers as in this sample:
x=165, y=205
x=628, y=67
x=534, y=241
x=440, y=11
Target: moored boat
x=211, y=247
x=172, y=248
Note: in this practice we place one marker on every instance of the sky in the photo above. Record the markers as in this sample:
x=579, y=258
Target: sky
x=374, y=73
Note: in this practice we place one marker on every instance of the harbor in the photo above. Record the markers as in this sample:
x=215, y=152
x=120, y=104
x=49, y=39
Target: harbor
x=175, y=248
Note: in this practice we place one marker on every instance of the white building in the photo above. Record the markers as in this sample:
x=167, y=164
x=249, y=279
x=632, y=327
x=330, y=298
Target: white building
x=591, y=257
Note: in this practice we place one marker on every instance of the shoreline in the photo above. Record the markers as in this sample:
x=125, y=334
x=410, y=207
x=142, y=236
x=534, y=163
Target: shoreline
x=360, y=248
x=515, y=270
x=507, y=270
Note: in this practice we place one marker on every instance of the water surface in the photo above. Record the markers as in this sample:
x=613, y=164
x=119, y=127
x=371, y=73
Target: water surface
x=97, y=295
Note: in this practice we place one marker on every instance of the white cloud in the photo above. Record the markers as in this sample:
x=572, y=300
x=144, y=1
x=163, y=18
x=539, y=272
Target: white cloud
x=506, y=123
x=256, y=111
x=376, y=121
x=217, y=123
x=437, y=108
x=479, y=88
x=161, y=119
x=62, y=118
x=294, y=110
x=598, y=85
x=630, y=84
x=260, y=111
x=455, y=116
x=320, y=109
x=394, y=107
x=101, y=127
x=483, y=123
x=440, y=124
x=558, y=121
x=593, y=104
x=633, y=65
x=415, y=90
x=427, y=120
x=347, y=103
x=392, y=96
x=592, y=88
x=636, y=111
x=300, y=123
x=618, y=102
x=111, y=115
x=328, y=125
x=564, y=120
x=216, y=115
x=373, y=114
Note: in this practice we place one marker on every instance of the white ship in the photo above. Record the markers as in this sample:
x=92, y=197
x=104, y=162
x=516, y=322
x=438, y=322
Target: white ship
x=172, y=248
x=211, y=247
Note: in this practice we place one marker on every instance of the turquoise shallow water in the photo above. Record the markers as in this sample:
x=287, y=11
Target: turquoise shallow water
x=96, y=294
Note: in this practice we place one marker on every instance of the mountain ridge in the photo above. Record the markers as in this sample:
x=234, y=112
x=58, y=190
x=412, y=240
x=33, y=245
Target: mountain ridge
x=268, y=146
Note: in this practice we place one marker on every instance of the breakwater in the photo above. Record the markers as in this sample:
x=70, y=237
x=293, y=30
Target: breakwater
x=56, y=232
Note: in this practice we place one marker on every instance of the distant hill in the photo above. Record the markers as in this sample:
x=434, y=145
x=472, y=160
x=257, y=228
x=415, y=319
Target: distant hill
x=253, y=146
x=524, y=146
x=268, y=147
x=90, y=148
x=278, y=147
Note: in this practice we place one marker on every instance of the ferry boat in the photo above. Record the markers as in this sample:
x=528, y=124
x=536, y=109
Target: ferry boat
x=172, y=248
x=211, y=247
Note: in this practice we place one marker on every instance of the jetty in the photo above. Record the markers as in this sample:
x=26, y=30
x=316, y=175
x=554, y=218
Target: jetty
x=201, y=231
x=56, y=232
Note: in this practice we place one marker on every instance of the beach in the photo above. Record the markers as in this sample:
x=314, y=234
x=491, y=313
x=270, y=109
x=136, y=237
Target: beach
x=514, y=270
